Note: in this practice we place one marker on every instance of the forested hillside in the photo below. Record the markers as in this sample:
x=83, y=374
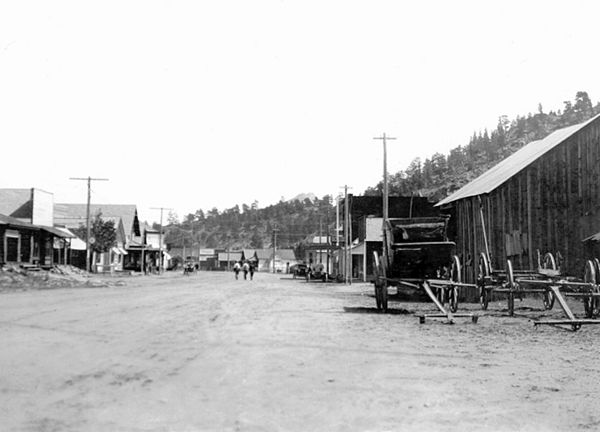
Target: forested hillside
x=253, y=227
x=435, y=177
x=440, y=175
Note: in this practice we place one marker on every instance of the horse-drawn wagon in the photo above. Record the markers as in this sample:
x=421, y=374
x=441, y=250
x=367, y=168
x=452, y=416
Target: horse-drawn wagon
x=417, y=256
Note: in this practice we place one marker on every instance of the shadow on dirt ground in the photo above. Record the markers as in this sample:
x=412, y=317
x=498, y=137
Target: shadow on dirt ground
x=372, y=310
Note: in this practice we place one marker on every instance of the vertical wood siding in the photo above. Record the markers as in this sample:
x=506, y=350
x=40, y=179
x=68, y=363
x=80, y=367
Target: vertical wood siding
x=550, y=206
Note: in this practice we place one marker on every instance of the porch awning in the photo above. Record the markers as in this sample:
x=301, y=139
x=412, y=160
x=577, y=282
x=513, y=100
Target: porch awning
x=67, y=231
x=77, y=244
x=57, y=232
x=118, y=251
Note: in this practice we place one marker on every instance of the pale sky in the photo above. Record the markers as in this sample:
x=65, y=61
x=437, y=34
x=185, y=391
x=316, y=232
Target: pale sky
x=203, y=104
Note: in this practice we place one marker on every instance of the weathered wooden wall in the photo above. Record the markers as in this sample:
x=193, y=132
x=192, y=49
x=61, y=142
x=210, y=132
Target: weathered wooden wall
x=551, y=205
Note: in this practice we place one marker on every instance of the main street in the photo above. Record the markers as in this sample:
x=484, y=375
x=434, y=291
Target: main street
x=208, y=352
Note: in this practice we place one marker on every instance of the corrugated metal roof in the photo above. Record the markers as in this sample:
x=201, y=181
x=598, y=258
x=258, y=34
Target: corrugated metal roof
x=513, y=164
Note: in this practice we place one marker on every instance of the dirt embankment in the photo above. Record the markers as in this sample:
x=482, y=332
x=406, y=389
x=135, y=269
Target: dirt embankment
x=14, y=278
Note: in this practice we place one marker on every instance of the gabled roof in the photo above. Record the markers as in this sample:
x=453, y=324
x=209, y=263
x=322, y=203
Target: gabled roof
x=72, y=215
x=16, y=201
x=512, y=165
x=249, y=253
x=286, y=254
x=264, y=254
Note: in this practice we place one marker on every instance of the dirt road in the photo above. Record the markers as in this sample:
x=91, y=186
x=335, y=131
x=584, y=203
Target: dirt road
x=207, y=352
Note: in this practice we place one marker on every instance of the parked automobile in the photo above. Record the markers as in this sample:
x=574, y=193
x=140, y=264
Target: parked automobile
x=298, y=270
x=317, y=272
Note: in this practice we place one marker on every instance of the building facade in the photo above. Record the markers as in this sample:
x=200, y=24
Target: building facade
x=544, y=197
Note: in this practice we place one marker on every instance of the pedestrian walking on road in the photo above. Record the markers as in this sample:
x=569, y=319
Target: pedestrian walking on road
x=236, y=269
x=246, y=268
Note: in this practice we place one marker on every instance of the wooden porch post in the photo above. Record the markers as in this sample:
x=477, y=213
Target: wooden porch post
x=365, y=262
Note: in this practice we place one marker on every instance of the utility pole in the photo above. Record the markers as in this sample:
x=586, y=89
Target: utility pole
x=347, y=242
x=160, y=252
x=320, y=240
x=87, y=216
x=275, y=230
x=327, y=239
x=337, y=221
x=384, y=138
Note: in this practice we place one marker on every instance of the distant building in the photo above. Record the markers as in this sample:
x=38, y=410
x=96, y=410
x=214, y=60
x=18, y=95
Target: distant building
x=26, y=244
x=130, y=250
x=228, y=259
x=35, y=241
x=320, y=250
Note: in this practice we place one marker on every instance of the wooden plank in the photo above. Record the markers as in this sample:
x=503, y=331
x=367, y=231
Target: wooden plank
x=562, y=302
x=503, y=213
x=447, y=312
x=565, y=204
x=529, y=221
x=547, y=206
x=579, y=183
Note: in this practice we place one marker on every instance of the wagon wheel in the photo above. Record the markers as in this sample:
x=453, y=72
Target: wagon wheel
x=377, y=271
x=440, y=293
x=455, y=276
x=589, y=276
x=510, y=278
x=483, y=271
x=380, y=283
x=596, y=301
x=549, y=263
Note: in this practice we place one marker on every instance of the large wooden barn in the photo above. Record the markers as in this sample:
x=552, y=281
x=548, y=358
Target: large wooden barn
x=545, y=197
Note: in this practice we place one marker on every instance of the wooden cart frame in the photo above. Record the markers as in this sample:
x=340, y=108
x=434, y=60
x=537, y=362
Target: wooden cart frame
x=547, y=281
x=420, y=265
